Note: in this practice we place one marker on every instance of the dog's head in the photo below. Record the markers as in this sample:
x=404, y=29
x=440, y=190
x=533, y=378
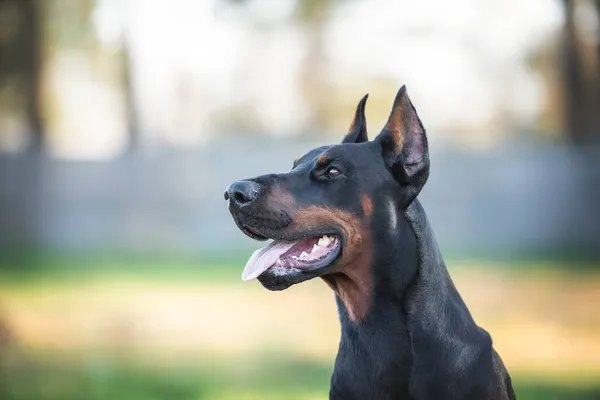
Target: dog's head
x=320, y=214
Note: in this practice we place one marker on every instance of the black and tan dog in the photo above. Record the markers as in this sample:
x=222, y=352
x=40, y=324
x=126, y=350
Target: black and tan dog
x=348, y=214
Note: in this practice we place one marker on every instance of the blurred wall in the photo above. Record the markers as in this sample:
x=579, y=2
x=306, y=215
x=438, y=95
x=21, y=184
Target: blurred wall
x=518, y=198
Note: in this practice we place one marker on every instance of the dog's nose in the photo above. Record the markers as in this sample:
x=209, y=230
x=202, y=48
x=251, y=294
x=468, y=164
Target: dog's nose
x=242, y=192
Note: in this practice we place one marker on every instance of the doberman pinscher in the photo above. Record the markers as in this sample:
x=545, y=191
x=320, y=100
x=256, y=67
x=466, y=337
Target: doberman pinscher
x=348, y=214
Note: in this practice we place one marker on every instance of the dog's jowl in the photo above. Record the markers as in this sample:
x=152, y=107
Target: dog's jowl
x=349, y=214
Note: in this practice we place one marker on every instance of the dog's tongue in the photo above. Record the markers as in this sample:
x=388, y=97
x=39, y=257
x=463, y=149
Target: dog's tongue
x=264, y=258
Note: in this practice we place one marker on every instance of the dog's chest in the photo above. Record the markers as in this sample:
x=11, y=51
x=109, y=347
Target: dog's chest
x=372, y=365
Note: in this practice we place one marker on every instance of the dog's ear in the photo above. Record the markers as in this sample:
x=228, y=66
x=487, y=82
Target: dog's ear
x=404, y=146
x=358, y=128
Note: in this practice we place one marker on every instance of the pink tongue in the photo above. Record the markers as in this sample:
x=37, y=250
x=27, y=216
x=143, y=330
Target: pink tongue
x=264, y=258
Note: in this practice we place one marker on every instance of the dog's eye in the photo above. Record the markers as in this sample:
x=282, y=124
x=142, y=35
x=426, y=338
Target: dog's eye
x=332, y=172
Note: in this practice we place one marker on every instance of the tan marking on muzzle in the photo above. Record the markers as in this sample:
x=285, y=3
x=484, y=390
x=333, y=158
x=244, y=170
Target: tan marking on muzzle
x=367, y=205
x=351, y=277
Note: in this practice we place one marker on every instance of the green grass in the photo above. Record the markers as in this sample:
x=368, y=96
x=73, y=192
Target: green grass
x=547, y=390
x=39, y=375
x=278, y=377
x=100, y=378
x=26, y=265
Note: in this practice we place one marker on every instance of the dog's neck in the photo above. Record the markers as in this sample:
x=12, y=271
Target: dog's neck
x=416, y=323
x=412, y=295
x=432, y=294
x=406, y=277
x=406, y=265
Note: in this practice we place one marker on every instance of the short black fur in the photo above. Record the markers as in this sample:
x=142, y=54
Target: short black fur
x=417, y=339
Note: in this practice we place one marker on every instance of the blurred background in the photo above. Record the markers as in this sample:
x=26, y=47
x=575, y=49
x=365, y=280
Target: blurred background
x=122, y=121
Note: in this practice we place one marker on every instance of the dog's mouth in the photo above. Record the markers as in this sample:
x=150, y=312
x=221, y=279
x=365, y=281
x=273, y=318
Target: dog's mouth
x=306, y=254
x=253, y=233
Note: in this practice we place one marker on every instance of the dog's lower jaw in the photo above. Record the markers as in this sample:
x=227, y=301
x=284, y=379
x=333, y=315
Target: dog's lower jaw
x=273, y=284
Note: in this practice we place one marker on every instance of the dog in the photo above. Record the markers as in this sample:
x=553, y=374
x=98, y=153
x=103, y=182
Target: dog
x=348, y=214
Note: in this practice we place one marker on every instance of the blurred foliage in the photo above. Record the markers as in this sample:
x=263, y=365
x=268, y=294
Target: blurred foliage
x=314, y=10
x=20, y=70
x=569, y=67
x=581, y=68
x=68, y=24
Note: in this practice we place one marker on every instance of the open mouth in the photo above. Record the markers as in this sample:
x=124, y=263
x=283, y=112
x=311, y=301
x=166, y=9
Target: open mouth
x=283, y=257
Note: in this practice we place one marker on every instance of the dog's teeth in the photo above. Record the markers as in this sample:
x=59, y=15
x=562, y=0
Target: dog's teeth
x=303, y=255
x=295, y=257
x=324, y=241
x=315, y=247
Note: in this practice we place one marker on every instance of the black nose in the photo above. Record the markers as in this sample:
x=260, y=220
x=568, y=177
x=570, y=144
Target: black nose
x=242, y=192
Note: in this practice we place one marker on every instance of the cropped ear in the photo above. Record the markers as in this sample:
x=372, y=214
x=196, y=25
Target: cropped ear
x=404, y=146
x=358, y=128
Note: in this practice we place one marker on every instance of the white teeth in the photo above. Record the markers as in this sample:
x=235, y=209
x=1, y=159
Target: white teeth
x=315, y=247
x=303, y=255
x=324, y=241
x=295, y=257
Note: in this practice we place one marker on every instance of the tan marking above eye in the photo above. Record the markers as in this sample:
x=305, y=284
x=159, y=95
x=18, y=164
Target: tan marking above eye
x=322, y=159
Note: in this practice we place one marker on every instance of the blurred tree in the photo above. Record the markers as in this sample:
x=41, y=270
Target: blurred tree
x=69, y=29
x=312, y=17
x=581, y=77
x=21, y=63
x=597, y=6
x=134, y=142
